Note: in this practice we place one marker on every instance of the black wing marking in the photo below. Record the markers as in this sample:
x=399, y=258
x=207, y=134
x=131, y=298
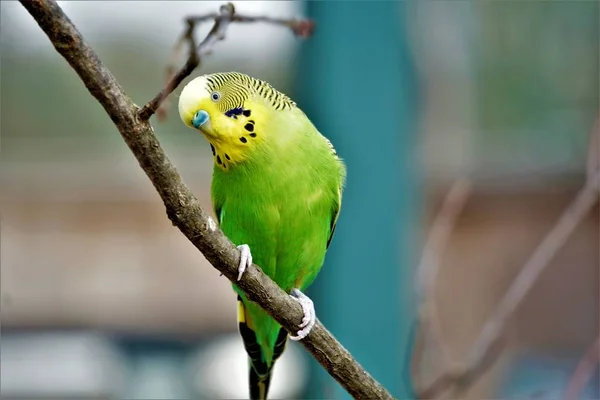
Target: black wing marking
x=334, y=217
x=333, y=225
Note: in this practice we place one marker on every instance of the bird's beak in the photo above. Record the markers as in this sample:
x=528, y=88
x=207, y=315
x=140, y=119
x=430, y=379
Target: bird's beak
x=200, y=119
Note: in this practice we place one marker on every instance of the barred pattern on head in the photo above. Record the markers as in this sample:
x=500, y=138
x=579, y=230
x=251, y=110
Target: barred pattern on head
x=235, y=88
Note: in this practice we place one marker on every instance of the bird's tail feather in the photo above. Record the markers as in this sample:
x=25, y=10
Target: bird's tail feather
x=259, y=385
x=260, y=371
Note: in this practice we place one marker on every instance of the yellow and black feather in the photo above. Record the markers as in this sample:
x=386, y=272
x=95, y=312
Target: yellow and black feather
x=235, y=88
x=260, y=372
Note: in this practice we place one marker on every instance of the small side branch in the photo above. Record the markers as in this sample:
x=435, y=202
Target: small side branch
x=222, y=20
x=182, y=207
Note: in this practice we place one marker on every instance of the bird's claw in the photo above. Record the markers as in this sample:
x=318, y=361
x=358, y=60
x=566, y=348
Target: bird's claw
x=245, y=259
x=310, y=317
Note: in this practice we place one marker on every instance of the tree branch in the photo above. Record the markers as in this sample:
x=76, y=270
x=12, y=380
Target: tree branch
x=537, y=263
x=226, y=15
x=487, y=347
x=184, y=210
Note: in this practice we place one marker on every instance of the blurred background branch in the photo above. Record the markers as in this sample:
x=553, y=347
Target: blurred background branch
x=485, y=350
x=433, y=251
x=184, y=210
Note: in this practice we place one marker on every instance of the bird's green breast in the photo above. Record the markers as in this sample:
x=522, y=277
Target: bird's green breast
x=281, y=202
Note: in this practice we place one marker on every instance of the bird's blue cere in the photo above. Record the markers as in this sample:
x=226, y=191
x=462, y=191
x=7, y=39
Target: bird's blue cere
x=199, y=119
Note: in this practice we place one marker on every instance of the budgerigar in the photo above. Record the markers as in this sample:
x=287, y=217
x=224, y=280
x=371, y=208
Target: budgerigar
x=276, y=189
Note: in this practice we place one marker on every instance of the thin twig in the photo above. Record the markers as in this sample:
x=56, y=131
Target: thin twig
x=227, y=15
x=301, y=27
x=584, y=371
x=222, y=21
x=486, y=348
x=189, y=37
x=429, y=267
x=184, y=210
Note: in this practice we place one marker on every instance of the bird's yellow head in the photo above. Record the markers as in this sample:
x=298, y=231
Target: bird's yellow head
x=227, y=109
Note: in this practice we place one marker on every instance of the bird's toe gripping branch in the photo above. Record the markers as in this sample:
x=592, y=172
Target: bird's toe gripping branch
x=310, y=316
x=245, y=259
x=308, y=307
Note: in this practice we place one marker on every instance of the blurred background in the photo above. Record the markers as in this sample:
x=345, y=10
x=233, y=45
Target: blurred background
x=102, y=297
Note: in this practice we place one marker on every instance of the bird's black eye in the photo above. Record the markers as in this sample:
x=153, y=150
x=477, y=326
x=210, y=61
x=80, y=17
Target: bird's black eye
x=215, y=96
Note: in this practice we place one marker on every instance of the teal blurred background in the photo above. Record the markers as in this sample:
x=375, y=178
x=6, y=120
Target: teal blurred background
x=103, y=297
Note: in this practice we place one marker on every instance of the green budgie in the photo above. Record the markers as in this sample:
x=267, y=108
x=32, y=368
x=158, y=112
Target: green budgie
x=276, y=189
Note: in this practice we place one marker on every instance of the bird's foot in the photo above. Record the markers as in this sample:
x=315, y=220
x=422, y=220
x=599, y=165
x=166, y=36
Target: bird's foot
x=310, y=316
x=245, y=259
